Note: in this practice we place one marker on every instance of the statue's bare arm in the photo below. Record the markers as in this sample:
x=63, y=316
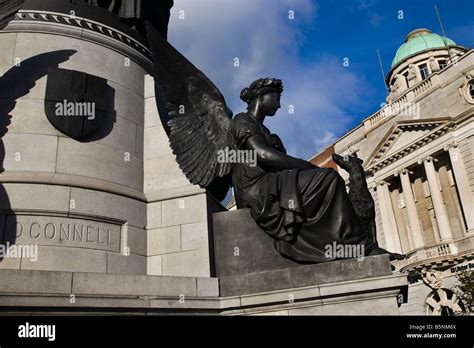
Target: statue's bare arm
x=273, y=160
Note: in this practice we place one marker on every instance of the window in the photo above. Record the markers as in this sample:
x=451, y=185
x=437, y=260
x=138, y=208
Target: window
x=468, y=90
x=442, y=63
x=405, y=74
x=424, y=71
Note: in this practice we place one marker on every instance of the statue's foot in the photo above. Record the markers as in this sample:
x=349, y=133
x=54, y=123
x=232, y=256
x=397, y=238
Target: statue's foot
x=381, y=251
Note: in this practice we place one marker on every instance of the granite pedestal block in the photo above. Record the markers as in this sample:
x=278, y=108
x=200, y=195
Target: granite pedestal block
x=241, y=247
x=49, y=293
x=306, y=275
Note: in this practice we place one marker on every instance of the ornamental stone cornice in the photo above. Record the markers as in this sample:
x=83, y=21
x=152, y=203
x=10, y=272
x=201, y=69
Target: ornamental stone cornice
x=70, y=25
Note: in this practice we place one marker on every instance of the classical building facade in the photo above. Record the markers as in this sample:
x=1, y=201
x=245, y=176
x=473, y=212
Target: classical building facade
x=419, y=159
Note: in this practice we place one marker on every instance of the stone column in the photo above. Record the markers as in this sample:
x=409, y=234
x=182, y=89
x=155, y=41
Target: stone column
x=415, y=227
x=389, y=223
x=462, y=183
x=442, y=219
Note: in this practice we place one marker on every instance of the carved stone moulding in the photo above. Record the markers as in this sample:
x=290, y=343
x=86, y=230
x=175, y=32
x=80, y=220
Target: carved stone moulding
x=467, y=88
x=83, y=22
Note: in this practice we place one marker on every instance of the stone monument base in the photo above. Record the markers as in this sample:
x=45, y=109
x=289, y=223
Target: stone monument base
x=280, y=293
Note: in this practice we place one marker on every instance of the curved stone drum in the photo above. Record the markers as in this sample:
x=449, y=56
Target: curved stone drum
x=83, y=199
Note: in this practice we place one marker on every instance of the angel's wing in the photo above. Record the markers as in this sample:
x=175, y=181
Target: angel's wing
x=8, y=9
x=198, y=116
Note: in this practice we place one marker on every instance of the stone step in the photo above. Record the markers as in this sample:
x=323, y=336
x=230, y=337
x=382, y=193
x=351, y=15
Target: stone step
x=306, y=275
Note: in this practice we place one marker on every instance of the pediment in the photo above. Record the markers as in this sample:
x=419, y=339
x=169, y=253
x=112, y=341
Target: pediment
x=404, y=137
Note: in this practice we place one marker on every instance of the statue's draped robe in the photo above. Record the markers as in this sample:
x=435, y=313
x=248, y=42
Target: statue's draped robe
x=303, y=210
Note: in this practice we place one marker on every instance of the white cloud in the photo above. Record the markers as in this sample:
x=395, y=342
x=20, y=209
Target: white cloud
x=268, y=43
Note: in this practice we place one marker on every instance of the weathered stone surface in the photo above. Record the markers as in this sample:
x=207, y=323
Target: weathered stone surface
x=10, y=263
x=94, y=293
x=154, y=265
x=153, y=215
x=182, y=303
x=126, y=264
x=91, y=58
x=128, y=104
x=156, y=142
x=32, y=197
x=373, y=306
x=102, y=204
x=29, y=116
x=163, y=173
x=137, y=79
x=100, y=162
x=16, y=281
x=149, y=86
x=284, y=297
x=67, y=259
x=136, y=240
x=207, y=287
x=194, y=236
x=152, y=117
x=7, y=42
x=308, y=275
x=22, y=152
x=194, y=263
x=114, y=284
x=123, y=136
x=164, y=240
x=184, y=210
x=242, y=247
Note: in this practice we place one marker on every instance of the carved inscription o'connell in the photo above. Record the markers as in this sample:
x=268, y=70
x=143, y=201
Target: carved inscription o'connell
x=66, y=232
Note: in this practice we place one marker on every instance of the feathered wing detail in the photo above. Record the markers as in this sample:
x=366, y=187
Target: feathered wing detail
x=198, y=116
x=8, y=9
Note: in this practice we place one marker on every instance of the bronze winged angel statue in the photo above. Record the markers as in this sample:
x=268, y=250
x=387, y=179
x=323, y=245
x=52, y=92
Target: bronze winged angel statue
x=301, y=206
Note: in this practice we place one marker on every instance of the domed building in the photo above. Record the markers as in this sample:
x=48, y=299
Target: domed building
x=422, y=54
x=418, y=153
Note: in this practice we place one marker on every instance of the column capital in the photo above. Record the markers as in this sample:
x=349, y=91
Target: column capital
x=427, y=159
x=450, y=145
x=403, y=171
x=381, y=183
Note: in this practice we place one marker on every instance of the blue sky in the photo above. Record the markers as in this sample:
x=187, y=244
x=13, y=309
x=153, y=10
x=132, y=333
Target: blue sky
x=308, y=53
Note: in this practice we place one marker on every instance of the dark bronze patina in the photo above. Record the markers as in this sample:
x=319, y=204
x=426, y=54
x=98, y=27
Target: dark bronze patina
x=304, y=208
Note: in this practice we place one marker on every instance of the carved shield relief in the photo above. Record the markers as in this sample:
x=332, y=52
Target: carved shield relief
x=75, y=102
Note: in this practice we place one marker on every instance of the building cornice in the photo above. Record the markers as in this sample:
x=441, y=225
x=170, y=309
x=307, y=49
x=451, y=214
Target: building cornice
x=444, y=126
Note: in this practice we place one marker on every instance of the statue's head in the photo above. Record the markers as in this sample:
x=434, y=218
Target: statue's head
x=266, y=92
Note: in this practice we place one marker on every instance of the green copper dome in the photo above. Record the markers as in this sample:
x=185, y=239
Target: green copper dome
x=417, y=41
